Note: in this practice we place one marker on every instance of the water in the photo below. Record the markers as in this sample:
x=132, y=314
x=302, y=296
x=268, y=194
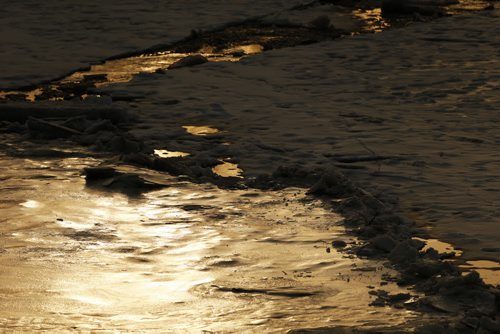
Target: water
x=185, y=258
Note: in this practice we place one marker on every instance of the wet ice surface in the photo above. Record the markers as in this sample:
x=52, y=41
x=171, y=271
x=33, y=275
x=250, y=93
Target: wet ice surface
x=188, y=257
x=38, y=49
x=227, y=169
x=248, y=42
x=170, y=154
x=166, y=261
x=368, y=18
x=444, y=172
x=123, y=70
x=422, y=99
x=197, y=130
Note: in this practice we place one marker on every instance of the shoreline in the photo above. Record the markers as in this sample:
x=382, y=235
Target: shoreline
x=437, y=290
x=259, y=149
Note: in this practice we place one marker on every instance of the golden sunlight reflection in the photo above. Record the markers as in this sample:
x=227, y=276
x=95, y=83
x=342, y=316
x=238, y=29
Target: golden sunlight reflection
x=30, y=204
x=489, y=270
x=466, y=5
x=73, y=225
x=440, y=246
x=202, y=130
x=28, y=96
x=89, y=300
x=124, y=69
x=170, y=154
x=228, y=169
x=245, y=49
x=372, y=19
x=167, y=259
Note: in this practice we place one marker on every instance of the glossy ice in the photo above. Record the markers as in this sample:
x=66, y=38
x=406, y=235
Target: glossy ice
x=489, y=270
x=186, y=258
x=200, y=130
x=228, y=169
x=170, y=154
